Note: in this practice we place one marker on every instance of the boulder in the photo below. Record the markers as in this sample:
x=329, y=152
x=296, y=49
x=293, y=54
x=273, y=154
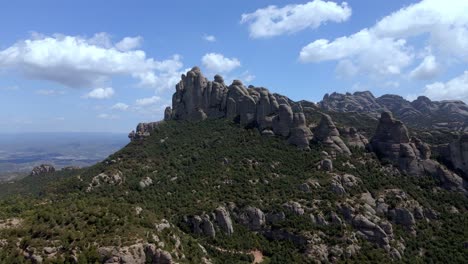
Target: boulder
x=253, y=218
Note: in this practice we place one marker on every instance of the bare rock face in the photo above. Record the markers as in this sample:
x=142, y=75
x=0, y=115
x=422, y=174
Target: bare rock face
x=392, y=143
x=456, y=154
x=283, y=121
x=422, y=112
x=168, y=113
x=223, y=219
x=198, y=99
x=353, y=138
x=42, y=169
x=253, y=218
x=144, y=130
x=137, y=254
x=327, y=133
x=300, y=134
x=202, y=225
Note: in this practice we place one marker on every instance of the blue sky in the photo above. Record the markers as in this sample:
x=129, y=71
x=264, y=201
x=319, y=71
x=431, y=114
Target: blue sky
x=107, y=65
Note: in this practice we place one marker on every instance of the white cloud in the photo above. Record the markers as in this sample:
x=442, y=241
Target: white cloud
x=76, y=61
x=148, y=101
x=209, y=38
x=49, y=92
x=455, y=89
x=363, y=50
x=100, y=93
x=273, y=21
x=216, y=62
x=120, y=106
x=383, y=49
x=129, y=43
x=428, y=69
x=107, y=116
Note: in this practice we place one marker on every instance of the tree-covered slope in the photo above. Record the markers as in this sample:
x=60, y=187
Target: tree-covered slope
x=177, y=191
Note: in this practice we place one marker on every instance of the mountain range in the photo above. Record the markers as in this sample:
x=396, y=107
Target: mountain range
x=237, y=174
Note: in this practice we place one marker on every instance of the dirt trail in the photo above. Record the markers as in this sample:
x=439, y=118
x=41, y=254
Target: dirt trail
x=257, y=254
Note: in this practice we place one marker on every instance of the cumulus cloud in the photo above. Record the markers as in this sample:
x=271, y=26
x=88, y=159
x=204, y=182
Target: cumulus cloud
x=363, y=50
x=147, y=101
x=455, y=89
x=120, y=106
x=76, y=61
x=209, y=38
x=100, y=93
x=216, y=62
x=383, y=49
x=273, y=21
x=428, y=69
x=129, y=43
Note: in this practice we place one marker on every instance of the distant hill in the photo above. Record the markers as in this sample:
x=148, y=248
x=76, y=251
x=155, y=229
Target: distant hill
x=20, y=152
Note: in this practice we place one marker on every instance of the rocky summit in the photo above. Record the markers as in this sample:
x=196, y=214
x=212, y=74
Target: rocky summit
x=197, y=99
x=451, y=115
x=237, y=174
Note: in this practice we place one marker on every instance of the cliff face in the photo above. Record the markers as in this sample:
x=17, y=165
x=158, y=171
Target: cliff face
x=421, y=112
x=391, y=142
x=197, y=99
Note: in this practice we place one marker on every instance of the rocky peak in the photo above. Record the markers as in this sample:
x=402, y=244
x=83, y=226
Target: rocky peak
x=197, y=99
x=42, y=169
x=421, y=113
x=327, y=134
x=391, y=130
x=392, y=143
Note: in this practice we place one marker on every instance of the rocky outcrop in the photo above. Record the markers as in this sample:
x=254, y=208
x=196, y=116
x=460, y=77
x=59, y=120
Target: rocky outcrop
x=197, y=99
x=136, y=254
x=145, y=182
x=202, y=225
x=42, y=169
x=391, y=142
x=224, y=221
x=144, y=130
x=455, y=154
x=327, y=134
x=357, y=102
x=353, y=138
x=253, y=218
x=110, y=178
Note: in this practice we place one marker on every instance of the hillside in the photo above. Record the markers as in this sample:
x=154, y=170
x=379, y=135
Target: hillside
x=292, y=183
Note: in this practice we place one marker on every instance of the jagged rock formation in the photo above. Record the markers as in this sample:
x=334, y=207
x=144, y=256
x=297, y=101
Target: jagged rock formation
x=327, y=133
x=422, y=112
x=197, y=99
x=392, y=143
x=42, y=169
